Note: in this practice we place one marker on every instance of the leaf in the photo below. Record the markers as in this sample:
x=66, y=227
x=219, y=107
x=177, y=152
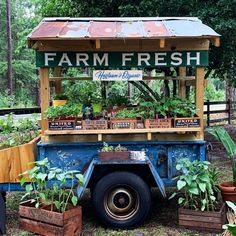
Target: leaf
x=42, y=196
x=74, y=200
x=194, y=191
x=232, y=206
x=55, y=188
x=202, y=187
x=28, y=188
x=204, y=177
x=57, y=204
x=188, y=179
x=80, y=178
x=180, y=184
x=41, y=176
x=51, y=175
x=172, y=196
x=25, y=195
x=37, y=205
x=23, y=180
x=213, y=198
x=180, y=200
x=60, y=177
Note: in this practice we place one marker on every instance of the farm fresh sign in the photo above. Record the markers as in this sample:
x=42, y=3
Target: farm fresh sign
x=121, y=59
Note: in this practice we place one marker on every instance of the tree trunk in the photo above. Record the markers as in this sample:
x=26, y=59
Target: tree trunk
x=9, y=53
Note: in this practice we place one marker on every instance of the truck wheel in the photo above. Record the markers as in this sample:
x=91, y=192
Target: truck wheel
x=121, y=200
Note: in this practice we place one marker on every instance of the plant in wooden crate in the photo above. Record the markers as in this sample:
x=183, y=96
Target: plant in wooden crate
x=228, y=188
x=108, y=153
x=198, y=203
x=18, y=141
x=59, y=100
x=230, y=228
x=63, y=117
x=52, y=208
x=125, y=119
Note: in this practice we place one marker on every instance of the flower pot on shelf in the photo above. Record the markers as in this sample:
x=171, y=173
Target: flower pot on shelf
x=109, y=156
x=46, y=222
x=228, y=191
x=180, y=122
x=158, y=123
x=123, y=123
x=66, y=123
x=202, y=220
x=56, y=103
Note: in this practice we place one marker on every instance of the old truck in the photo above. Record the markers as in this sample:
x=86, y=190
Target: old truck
x=110, y=47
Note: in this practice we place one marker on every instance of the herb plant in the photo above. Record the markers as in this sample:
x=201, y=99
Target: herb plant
x=57, y=195
x=108, y=148
x=126, y=113
x=67, y=110
x=197, y=185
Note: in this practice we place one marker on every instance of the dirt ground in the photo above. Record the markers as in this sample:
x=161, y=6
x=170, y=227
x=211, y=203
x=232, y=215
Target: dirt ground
x=162, y=220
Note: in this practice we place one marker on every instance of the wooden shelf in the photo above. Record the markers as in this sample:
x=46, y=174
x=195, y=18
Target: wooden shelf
x=149, y=132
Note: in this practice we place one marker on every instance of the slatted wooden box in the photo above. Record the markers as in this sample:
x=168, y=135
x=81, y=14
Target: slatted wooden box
x=187, y=122
x=202, y=220
x=158, y=123
x=15, y=160
x=94, y=124
x=123, y=123
x=50, y=223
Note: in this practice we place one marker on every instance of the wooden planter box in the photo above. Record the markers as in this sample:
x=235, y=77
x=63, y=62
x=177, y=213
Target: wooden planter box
x=158, y=123
x=109, y=156
x=46, y=222
x=123, y=123
x=15, y=160
x=187, y=122
x=94, y=124
x=62, y=124
x=202, y=220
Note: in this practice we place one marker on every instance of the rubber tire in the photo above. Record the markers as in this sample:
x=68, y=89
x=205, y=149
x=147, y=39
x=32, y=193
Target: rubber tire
x=128, y=179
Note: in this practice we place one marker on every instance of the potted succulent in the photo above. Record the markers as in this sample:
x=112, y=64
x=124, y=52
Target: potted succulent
x=108, y=153
x=59, y=100
x=52, y=208
x=199, y=208
x=62, y=117
x=228, y=188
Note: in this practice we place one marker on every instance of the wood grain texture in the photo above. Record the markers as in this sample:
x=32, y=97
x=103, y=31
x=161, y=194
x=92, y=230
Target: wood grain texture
x=182, y=87
x=57, y=73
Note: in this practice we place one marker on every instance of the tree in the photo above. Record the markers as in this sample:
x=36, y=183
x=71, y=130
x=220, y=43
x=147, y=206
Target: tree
x=9, y=48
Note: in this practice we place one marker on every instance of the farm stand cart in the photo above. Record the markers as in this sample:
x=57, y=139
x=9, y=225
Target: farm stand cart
x=122, y=49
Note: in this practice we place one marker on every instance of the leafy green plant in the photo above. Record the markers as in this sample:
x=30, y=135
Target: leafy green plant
x=223, y=136
x=231, y=216
x=67, y=110
x=120, y=148
x=60, y=97
x=107, y=148
x=197, y=185
x=57, y=195
x=126, y=113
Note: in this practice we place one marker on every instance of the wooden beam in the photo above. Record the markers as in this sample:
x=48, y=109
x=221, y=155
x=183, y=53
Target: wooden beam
x=162, y=43
x=182, y=89
x=57, y=73
x=215, y=41
x=99, y=137
x=44, y=96
x=199, y=97
x=98, y=43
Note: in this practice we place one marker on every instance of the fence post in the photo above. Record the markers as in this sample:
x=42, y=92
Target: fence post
x=229, y=111
x=208, y=113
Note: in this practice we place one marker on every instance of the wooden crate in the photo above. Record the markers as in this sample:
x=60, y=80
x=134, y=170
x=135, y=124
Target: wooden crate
x=15, y=160
x=94, y=124
x=50, y=223
x=202, y=220
x=110, y=156
x=62, y=124
x=187, y=122
x=158, y=123
x=123, y=123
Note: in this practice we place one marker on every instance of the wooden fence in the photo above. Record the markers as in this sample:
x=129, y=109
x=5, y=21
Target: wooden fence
x=228, y=113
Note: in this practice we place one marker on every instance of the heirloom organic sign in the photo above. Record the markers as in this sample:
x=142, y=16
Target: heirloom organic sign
x=116, y=60
x=114, y=75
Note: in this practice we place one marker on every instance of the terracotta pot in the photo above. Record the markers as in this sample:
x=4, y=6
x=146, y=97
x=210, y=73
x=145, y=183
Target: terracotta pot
x=228, y=191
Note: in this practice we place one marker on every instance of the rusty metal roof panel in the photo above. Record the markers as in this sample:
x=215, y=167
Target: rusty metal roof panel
x=186, y=28
x=154, y=27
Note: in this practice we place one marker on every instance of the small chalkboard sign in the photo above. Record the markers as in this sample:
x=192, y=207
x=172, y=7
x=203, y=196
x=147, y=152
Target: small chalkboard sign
x=187, y=122
x=61, y=124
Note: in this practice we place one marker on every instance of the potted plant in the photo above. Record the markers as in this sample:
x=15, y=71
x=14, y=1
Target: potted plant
x=124, y=119
x=62, y=117
x=108, y=153
x=228, y=188
x=59, y=100
x=52, y=208
x=199, y=208
x=17, y=137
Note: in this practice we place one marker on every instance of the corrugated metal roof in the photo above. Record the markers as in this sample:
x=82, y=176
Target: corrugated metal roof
x=136, y=27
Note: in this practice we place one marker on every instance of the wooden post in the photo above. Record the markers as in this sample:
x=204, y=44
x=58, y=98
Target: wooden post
x=2, y=212
x=44, y=95
x=57, y=73
x=208, y=113
x=182, y=91
x=199, y=97
x=229, y=111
